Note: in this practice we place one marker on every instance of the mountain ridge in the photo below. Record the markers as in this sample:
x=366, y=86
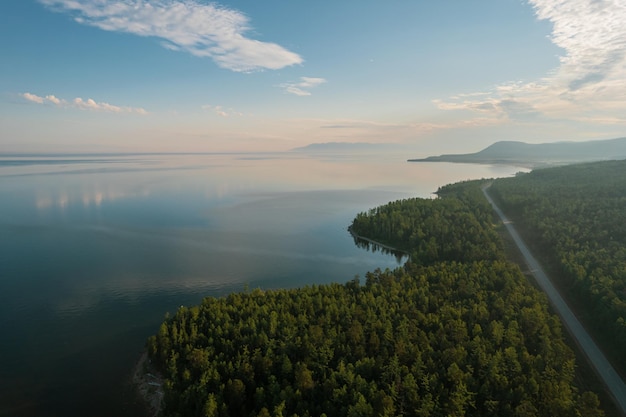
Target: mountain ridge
x=540, y=154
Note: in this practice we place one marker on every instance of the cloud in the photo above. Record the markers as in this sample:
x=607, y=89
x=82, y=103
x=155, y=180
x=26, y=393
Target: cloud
x=518, y=110
x=33, y=98
x=221, y=111
x=347, y=128
x=302, y=88
x=590, y=80
x=203, y=30
x=593, y=35
x=498, y=108
x=79, y=103
x=54, y=100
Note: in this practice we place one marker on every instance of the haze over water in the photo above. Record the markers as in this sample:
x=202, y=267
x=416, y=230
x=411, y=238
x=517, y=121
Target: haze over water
x=95, y=249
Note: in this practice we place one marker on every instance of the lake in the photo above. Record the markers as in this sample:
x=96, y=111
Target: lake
x=95, y=249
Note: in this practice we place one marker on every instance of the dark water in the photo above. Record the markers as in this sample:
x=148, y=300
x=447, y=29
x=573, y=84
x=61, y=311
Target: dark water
x=94, y=250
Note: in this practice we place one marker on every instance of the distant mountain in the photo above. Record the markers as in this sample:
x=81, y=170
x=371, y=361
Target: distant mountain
x=346, y=147
x=543, y=154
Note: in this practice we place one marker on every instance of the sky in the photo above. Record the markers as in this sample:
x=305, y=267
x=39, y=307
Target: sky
x=246, y=75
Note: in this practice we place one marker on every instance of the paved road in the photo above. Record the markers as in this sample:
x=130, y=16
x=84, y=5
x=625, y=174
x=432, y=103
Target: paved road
x=602, y=366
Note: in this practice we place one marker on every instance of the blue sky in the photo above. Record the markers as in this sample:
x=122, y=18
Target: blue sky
x=183, y=75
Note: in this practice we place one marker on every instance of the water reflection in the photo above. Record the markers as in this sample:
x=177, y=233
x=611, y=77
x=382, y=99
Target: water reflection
x=374, y=247
x=61, y=199
x=94, y=252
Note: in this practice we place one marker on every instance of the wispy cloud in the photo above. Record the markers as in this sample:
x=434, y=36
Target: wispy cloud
x=302, y=87
x=81, y=104
x=588, y=84
x=221, y=111
x=34, y=98
x=203, y=30
x=342, y=129
x=359, y=124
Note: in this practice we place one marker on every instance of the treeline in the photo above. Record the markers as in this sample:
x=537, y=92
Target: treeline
x=575, y=216
x=433, y=338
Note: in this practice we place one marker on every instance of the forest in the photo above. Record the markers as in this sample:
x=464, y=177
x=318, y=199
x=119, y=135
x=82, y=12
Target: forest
x=575, y=218
x=456, y=331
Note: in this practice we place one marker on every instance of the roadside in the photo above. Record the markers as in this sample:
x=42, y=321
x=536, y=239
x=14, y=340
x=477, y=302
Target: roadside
x=586, y=377
x=594, y=355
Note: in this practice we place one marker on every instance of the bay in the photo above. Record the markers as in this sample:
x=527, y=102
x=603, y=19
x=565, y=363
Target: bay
x=95, y=249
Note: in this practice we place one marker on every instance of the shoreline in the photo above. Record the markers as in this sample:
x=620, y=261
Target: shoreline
x=381, y=245
x=148, y=385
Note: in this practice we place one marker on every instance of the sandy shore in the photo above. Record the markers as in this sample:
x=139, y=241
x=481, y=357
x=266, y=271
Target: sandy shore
x=149, y=384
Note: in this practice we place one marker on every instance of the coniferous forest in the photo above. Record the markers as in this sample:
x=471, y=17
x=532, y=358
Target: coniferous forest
x=575, y=218
x=456, y=331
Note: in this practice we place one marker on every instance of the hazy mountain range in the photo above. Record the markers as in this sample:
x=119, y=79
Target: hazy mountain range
x=327, y=147
x=533, y=155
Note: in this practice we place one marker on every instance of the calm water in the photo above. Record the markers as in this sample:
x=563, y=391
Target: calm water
x=95, y=249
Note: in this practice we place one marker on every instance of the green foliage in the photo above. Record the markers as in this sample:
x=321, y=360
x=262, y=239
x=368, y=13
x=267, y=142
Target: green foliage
x=437, y=337
x=454, y=227
x=575, y=216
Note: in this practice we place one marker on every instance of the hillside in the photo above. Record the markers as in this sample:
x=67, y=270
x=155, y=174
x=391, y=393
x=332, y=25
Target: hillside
x=543, y=154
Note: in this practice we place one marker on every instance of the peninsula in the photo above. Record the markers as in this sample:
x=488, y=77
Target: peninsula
x=457, y=330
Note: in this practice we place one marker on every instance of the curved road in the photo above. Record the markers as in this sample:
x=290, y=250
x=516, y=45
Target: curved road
x=602, y=366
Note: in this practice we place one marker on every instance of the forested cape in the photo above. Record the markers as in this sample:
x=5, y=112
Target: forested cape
x=575, y=217
x=456, y=331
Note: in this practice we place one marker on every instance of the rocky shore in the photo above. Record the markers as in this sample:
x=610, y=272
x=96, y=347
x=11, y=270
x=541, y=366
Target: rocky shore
x=149, y=385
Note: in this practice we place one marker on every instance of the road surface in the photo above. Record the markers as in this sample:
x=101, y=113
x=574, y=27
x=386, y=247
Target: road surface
x=603, y=368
